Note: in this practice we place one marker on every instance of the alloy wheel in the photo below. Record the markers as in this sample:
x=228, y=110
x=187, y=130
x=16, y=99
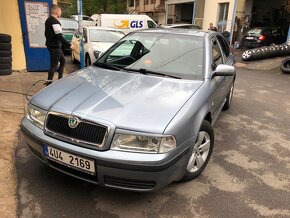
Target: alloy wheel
x=200, y=152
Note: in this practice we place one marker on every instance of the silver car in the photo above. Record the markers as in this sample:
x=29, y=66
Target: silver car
x=141, y=117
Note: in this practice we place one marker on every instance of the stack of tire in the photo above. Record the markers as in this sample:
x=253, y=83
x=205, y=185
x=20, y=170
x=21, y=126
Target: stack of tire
x=266, y=52
x=5, y=54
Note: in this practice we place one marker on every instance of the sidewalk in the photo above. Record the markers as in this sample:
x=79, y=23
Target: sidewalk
x=13, y=89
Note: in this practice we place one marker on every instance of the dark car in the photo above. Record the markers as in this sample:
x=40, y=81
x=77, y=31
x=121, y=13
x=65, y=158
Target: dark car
x=69, y=26
x=262, y=36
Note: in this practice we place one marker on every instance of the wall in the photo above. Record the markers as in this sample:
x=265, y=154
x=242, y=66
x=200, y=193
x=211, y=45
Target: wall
x=10, y=24
x=211, y=12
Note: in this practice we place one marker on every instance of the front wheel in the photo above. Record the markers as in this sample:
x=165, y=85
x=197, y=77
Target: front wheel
x=201, y=152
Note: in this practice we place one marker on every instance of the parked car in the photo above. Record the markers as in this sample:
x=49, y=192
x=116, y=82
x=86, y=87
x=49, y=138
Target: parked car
x=263, y=36
x=142, y=116
x=87, y=21
x=181, y=26
x=96, y=41
x=69, y=26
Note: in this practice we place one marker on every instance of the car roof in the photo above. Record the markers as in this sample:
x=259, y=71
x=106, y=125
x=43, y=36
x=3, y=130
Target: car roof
x=102, y=28
x=194, y=32
x=175, y=25
x=64, y=18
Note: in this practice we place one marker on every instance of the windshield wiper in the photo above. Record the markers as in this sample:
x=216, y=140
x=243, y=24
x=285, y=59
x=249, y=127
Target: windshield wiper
x=144, y=71
x=106, y=66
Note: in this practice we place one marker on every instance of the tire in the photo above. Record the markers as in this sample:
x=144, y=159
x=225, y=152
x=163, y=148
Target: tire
x=5, y=46
x=88, y=61
x=73, y=60
x=5, y=60
x=285, y=66
x=247, y=55
x=5, y=53
x=5, y=38
x=5, y=71
x=5, y=66
x=229, y=98
x=201, y=152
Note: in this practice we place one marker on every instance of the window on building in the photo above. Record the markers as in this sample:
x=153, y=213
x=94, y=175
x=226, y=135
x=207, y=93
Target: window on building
x=146, y=2
x=131, y=3
x=223, y=16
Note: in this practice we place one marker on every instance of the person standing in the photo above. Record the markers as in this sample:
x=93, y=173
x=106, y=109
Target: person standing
x=212, y=27
x=54, y=42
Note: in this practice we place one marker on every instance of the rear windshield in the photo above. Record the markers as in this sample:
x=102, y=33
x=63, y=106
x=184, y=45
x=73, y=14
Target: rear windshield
x=254, y=32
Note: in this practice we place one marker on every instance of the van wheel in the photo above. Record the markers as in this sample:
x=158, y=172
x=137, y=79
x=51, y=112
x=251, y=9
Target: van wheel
x=88, y=61
x=201, y=152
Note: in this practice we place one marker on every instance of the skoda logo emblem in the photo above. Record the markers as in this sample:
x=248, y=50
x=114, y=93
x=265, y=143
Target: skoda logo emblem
x=73, y=122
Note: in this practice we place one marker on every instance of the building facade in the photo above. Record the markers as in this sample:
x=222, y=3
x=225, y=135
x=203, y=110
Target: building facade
x=153, y=8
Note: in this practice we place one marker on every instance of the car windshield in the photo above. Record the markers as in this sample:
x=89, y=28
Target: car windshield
x=254, y=32
x=172, y=54
x=69, y=24
x=111, y=36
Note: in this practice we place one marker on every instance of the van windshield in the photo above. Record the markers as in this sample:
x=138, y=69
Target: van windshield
x=151, y=24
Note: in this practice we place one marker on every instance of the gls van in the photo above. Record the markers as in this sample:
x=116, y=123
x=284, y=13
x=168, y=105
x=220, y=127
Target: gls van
x=126, y=22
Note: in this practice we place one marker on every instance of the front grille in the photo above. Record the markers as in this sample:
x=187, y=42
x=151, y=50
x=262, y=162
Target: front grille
x=128, y=183
x=85, y=132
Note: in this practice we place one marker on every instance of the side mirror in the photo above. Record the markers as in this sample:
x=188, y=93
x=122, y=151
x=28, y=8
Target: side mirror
x=224, y=70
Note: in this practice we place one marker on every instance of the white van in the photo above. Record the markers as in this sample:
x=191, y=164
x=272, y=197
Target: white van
x=126, y=22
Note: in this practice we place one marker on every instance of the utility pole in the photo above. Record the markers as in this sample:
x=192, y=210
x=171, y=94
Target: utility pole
x=81, y=31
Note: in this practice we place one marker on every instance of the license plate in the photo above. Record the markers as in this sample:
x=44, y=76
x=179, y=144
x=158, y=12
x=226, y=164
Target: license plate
x=70, y=160
x=249, y=37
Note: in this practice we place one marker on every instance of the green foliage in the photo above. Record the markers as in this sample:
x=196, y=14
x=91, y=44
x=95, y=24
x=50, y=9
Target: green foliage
x=91, y=7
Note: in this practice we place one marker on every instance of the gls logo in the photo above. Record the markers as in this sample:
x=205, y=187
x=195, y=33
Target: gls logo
x=136, y=24
x=124, y=24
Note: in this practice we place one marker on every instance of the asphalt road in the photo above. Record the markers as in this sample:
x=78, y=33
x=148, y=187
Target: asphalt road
x=247, y=176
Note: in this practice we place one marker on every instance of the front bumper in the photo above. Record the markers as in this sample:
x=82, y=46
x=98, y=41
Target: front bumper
x=115, y=169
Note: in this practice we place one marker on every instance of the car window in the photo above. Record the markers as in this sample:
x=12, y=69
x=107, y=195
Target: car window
x=151, y=24
x=181, y=56
x=254, y=32
x=224, y=46
x=276, y=31
x=77, y=34
x=267, y=32
x=99, y=35
x=68, y=24
x=85, y=35
x=216, y=53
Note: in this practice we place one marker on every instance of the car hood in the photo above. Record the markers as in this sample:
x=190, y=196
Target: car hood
x=101, y=46
x=123, y=100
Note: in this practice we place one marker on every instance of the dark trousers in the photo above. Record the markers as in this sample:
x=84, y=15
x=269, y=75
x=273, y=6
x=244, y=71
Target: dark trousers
x=56, y=55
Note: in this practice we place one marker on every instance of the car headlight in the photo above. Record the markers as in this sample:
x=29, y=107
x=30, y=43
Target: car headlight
x=97, y=54
x=146, y=144
x=35, y=115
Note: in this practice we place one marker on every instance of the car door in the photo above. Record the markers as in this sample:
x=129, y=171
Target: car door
x=217, y=83
x=76, y=43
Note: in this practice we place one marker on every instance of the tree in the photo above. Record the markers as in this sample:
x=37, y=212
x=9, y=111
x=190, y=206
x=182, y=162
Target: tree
x=91, y=7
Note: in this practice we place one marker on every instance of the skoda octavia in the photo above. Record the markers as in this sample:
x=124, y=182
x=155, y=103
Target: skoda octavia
x=141, y=116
